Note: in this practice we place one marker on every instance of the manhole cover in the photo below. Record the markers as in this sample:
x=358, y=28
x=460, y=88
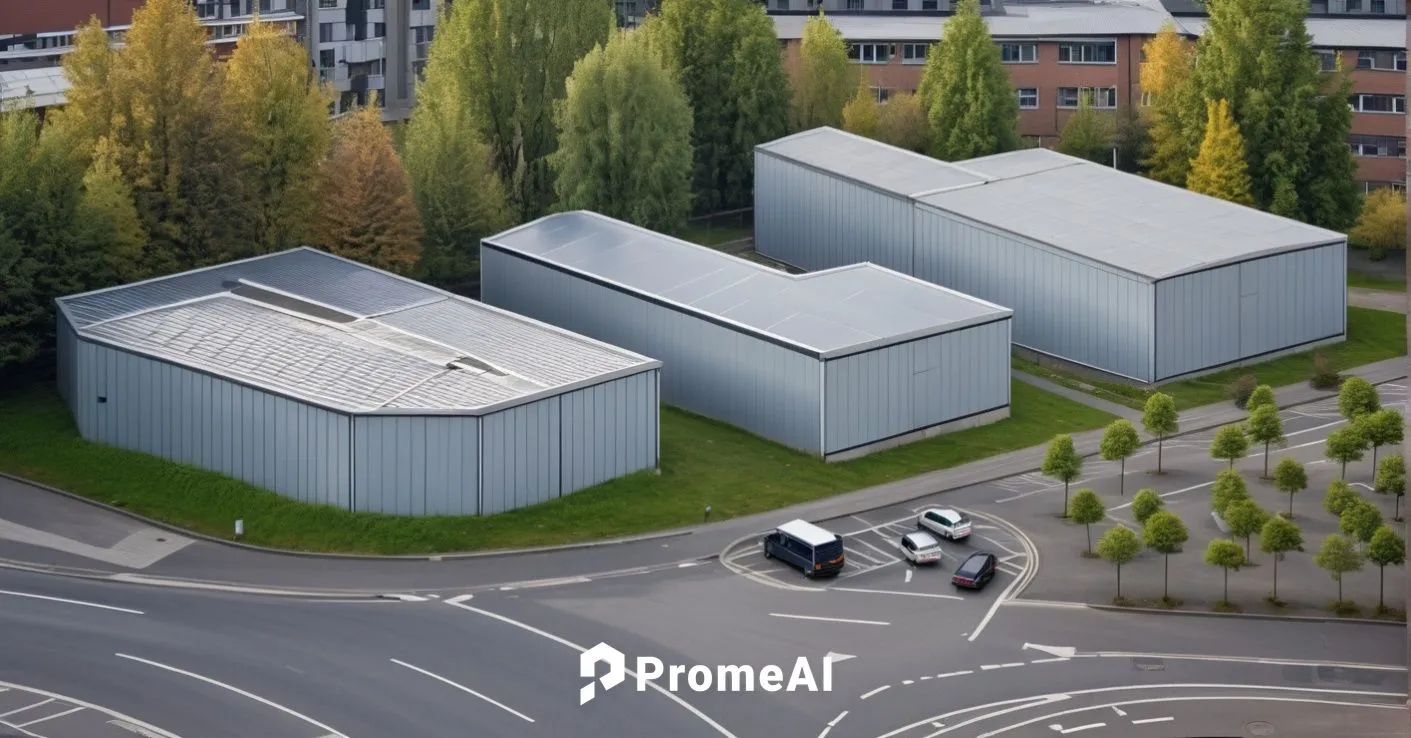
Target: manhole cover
x=1260, y=728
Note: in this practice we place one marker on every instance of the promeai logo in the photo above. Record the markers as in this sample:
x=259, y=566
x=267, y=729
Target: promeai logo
x=698, y=677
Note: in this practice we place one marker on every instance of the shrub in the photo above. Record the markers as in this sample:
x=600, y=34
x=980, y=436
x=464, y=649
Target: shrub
x=1241, y=389
x=1325, y=375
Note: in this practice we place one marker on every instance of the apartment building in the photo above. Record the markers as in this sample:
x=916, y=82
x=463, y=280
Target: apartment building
x=1058, y=52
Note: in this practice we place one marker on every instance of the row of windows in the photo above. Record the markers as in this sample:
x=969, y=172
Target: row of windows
x=1104, y=98
x=1378, y=146
x=372, y=4
x=1099, y=52
x=1388, y=61
x=325, y=32
x=1378, y=103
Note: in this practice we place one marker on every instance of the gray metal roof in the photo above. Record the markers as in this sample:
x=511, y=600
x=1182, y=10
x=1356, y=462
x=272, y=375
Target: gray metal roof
x=832, y=312
x=1049, y=20
x=34, y=88
x=1132, y=223
x=335, y=333
x=890, y=169
x=1337, y=33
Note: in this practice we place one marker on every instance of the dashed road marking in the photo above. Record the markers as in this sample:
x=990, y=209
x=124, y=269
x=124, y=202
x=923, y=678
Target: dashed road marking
x=828, y=620
x=876, y=691
x=1065, y=731
x=1010, y=665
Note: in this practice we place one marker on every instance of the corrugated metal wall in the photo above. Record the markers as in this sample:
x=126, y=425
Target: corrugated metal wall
x=65, y=346
x=899, y=389
x=416, y=465
x=1244, y=310
x=707, y=369
x=1062, y=306
x=814, y=221
x=610, y=430
x=195, y=419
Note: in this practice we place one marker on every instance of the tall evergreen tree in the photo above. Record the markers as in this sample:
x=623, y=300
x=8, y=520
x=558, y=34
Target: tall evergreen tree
x=759, y=95
x=968, y=95
x=625, y=138
x=826, y=78
x=1220, y=169
x=108, y=232
x=1088, y=134
x=1167, y=78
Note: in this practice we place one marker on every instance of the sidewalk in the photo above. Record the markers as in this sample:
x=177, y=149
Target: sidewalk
x=1376, y=299
x=1054, y=388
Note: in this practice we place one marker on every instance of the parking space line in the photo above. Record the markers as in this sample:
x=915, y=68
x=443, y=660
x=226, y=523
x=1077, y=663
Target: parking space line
x=999, y=545
x=1148, y=721
x=47, y=717
x=889, y=592
x=886, y=557
x=828, y=620
x=465, y=689
x=27, y=707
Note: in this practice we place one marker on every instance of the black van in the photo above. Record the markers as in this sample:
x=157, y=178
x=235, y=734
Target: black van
x=804, y=545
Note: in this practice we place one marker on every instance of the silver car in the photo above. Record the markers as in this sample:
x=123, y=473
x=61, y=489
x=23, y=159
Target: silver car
x=921, y=548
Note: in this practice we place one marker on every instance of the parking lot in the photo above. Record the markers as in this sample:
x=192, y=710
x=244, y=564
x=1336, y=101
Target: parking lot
x=34, y=713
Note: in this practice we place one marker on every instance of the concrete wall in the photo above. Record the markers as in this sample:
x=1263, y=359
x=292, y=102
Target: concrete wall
x=1234, y=313
x=911, y=386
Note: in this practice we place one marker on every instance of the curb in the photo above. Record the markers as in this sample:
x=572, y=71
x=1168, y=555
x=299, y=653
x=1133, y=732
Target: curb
x=1250, y=615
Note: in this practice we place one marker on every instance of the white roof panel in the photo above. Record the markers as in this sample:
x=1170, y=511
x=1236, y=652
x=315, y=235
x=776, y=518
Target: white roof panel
x=894, y=170
x=1047, y=20
x=1337, y=33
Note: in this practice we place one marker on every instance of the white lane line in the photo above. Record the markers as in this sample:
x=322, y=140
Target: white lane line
x=1066, y=731
x=886, y=556
x=1010, y=665
x=236, y=690
x=26, y=707
x=825, y=732
x=838, y=719
x=890, y=592
x=1041, y=490
x=876, y=691
x=71, y=602
x=1148, y=721
x=151, y=731
x=999, y=545
x=458, y=599
x=1118, y=710
x=1020, y=582
x=534, y=584
x=688, y=564
x=908, y=577
x=1047, y=603
x=465, y=689
x=954, y=674
x=869, y=558
x=827, y=620
x=47, y=717
x=907, y=682
x=1048, y=661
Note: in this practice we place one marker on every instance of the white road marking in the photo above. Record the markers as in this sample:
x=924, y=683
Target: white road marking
x=827, y=620
x=928, y=677
x=889, y=592
x=1064, y=651
x=954, y=674
x=131, y=578
x=1048, y=603
x=689, y=564
x=71, y=602
x=1020, y=581
x=838, y=719
x=886, y=556
x=459, y=599
x=27, y=707
x=999, y=545
x=876, y=691
x=534, y=584
x=1049, y=661
x=1119, y=712
x=1012, y=664
x=1167, y=494
x=139, y=730
x=1257, y=698
x=151, y=731
x=1244, y=660
x=404, y=597
x=825, y=732
x=1148, y=721
x=465, y=689
x=48, y=717
x=907, y=682
x=1064, y=731
x=908, y=577
x=236, y=690
x=570, y=644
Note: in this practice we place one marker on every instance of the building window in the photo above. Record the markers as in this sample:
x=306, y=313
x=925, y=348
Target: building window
x=870, y=53
x=1328, y=59
x=1378, y=103
x=1101, y=97
x=1382, y=60
x=1102, y=52
x=328, y=3
x=1377, y=146
x=1352, y=6
x=898, y=4
x=1028, y=97
x=423, y=34
x=854, y=4
x=882, y=94
x=929, y=5
x=379, y=30
x=325, y=58
x=1019, y=53
x=1145, y=100
x=325, y=32
x=914, y=53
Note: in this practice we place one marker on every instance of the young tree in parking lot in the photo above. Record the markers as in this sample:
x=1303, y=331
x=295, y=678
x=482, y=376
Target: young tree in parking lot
x=1228, y=489
x=1357, y=397
x=1278, y=537
x=826, y=79
x=1262, y=395
x=1384, y=427
x=1230, y=444
x=1338, y=496
x=1088, y=134
x=1338, y=557
x=1266, y=427
x=1290, y=478
x=861, y=113
x=966, y=90
x=1146, y=504
x=1165, y=534
x=1227, y=555
x=1220, y=170
x=1062, y=463
x=1086, y=509
x=1391, y=480
x=1160, y=419
x=1360, y=520
x=1245, y=518
x=1119, y=441
x=1386, y=549
x=1118, y=546
x=1382, y=225
x=903, y=124
x=1346, y=444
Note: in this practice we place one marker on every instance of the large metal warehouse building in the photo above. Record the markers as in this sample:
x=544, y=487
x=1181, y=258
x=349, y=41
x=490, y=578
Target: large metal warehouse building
x=1103, y=269
x=837, y=364
x=331, y=382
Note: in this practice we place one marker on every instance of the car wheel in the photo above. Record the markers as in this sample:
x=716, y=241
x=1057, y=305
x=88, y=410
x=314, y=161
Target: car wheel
x=767, y=553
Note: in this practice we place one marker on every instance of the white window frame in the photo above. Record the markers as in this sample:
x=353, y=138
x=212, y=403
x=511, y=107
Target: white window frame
x=1032, y=49
x=865, y=50
x=1398, y=104
x=1080, y=46
x=909, y=52
x=1022, y=92
x=1099, y=97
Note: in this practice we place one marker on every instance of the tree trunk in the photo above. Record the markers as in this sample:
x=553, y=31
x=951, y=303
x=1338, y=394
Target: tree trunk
x=1397, y=514
x=1090, y=536
x=1276, y=576
x=1374, y=460
x=1290, y=506
x=1122, y=481
x=1065, y=499
x=1119, y=581
x=1160, y=443
x=1266, y=460
x=1339, y=589
x=1166, y=578
x=1381, y=587
x=1247, y=539
x=1227, y=584
x=1344, y=471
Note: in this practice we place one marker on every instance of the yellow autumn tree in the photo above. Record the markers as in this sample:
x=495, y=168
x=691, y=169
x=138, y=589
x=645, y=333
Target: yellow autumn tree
x=862, y=112
x=1220, y=170
x=826, y=77
x=106, y=220
x=91, y=111
x=366, y=211
x=1382, y=225
x=1167, y=81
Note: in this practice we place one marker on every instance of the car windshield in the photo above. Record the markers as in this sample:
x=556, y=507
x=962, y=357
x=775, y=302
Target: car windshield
x=972, y=566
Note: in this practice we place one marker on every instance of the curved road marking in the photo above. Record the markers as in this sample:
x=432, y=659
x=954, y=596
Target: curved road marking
x=331, y=733
x=154, y=730
x=564, y=641
x=71, y=602
x=464, y=688
x=1031, y=569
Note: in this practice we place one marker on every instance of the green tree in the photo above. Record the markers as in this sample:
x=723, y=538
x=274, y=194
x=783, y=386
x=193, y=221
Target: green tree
x=1338, y=497
x=1228, y=489
x=1167, y=78
x=1230, y=444
x=1132, y=139
x=520, y=56
x=1344, y=445
x=1118, y=546
x=625, y=138
x=903, y=124
x=1062, y=463
x=1338, y=557
x=1360, y=520
x=1262, y=395
x=759, y=99
x=966, y=90
x=1165, y=534
x=862, y=111
x=1245, y=518
x=278, y=110
x=826, y=78
x=107, y=229
x=1086, y=509
x=1227, y=555
x=1278, y=537
x=1382, y=224
x=1219, y=170
x=1146, y=504
x=1160, y=419
x=1384, y=427
x=459, y=196
x=1266, y=427
x=1332, y=196
x=1358, y=397
x=1386, y=549
x=1290, y=478
x=1391, y=480
x=1119, y=441
x=1088, y=134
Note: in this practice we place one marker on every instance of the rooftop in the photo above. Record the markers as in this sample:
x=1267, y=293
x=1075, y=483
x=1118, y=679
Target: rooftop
x=827, y=313
x=890, y=169
x=34, y=88
x=335, y=333
x=1337, y=33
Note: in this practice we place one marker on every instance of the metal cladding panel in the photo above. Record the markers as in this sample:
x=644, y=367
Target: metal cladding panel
x=66, y=349
x=609, y=430
x=707, y=369
x=268, y=441
x=812, y=220
x=898, y=389
x=520, y=456
x=1244, y=310
x=417, y=465
x=1062, y=307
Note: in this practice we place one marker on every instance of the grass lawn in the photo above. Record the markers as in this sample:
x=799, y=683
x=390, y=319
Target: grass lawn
x=704, y=463
x=1372, y=336
x=1374, y=283
x=714, y=236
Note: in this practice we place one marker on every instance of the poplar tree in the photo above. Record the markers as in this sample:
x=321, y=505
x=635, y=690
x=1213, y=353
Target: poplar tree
x=91, y=109
x=107, y=227
x=625, y=138
x=1220, y=169
x=968, y=96
x=1167, y=79
x=861, y=114
x=826, y=78
x=758, y=102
